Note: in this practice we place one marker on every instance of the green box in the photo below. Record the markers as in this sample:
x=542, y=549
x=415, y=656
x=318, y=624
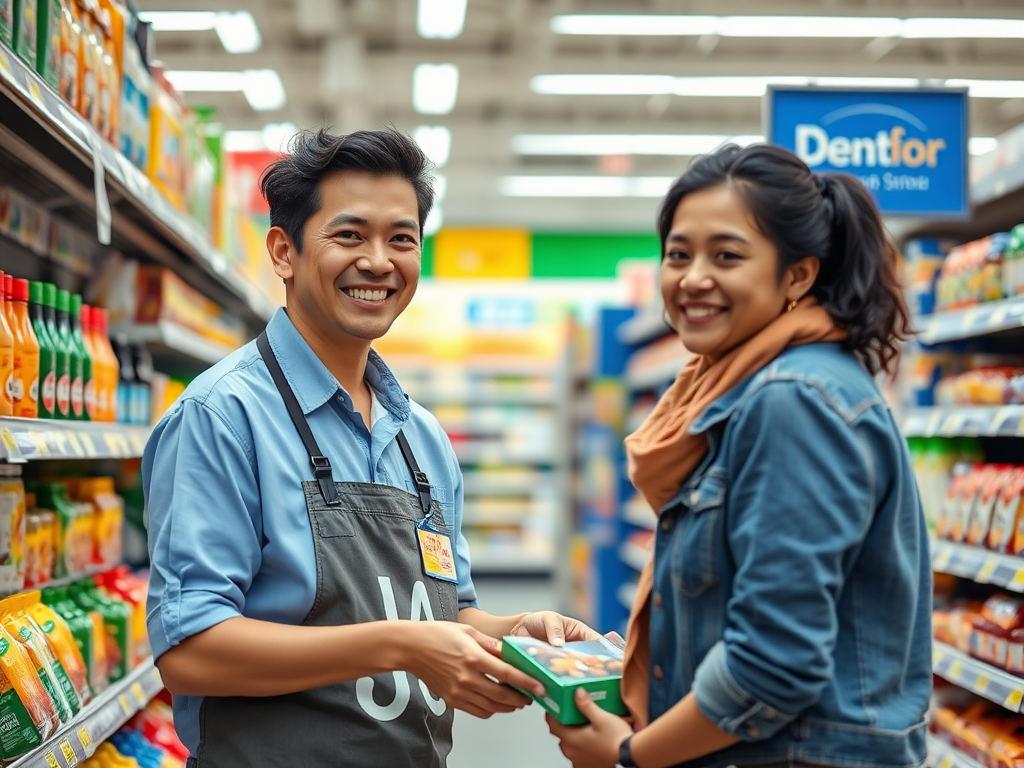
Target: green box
x=26, y=24
x=7, y=22
x=593, y=665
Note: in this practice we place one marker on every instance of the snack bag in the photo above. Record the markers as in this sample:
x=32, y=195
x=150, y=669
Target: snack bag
x=981, y=516
x=968, y=497
x=27, y=714
x=1006, y=516
x=63, y=642
x=24, y=631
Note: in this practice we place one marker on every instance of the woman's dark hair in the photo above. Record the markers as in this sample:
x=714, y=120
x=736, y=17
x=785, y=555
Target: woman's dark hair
x=831, y=216
x=291, y=185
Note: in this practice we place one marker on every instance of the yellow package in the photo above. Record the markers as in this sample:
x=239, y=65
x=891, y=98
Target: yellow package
x=88, y=64
x=24, y=703
x=12, y=529
x=32, y=639
x=165, y=144
x=70, y=53
x=33, y=556
x=59, y=635
x=108, y=519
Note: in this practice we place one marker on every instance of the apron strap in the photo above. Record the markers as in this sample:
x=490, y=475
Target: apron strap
x=321, y=464
x=420, y=477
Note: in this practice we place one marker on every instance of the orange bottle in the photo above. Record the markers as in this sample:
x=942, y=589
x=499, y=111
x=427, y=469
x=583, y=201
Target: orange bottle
x=106, y=385
x=6, y=360
x=13, y=384
x=27, y=404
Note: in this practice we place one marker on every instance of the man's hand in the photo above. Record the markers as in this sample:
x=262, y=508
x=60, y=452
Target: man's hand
x=463, y=667
x=554, y=628
x=595, y=745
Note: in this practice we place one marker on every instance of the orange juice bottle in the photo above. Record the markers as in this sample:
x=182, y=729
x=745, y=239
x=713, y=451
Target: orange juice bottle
x=106, y=392
x=28, y=403
x=6, y=360
x=13, y=383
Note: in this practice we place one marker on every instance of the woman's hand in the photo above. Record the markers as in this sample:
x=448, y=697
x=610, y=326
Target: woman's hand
x=595, y=745
x=553, y=628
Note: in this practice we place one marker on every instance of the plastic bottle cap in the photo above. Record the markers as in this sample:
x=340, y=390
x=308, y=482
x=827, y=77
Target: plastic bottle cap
x=49, y=295
x=76, y=305
x=35, y=292
x=99, y=320
x=8, y=286
x=63, y=299
x=86, y=318
x=21, y=290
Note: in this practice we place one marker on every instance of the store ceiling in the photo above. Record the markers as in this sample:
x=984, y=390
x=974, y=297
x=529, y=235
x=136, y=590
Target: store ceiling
x=350, y=63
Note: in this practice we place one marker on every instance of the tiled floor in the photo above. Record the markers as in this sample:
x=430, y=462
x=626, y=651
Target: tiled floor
x=522, y=738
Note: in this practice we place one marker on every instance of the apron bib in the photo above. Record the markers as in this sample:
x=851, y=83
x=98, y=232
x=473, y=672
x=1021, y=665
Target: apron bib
x=368, y=568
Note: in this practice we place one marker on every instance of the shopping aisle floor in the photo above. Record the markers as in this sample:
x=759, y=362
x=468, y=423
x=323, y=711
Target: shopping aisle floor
x=521, y=738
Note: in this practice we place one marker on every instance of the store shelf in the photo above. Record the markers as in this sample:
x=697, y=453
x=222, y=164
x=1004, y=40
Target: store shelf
x=966, y=421
x=638, y=512
x=78, y=740
x=978, y=677
x=475, y=514
x=41, y=132
x=476, y=486
x=981, y=320
x=978, y=565
x=486, y=397
x=627, y=594
x=508, y=560
x=646, y=326
x=34, y=439
x=633, y=556
x=942, y=755
x=173, y=343
x=501, y=454
x=657, y=375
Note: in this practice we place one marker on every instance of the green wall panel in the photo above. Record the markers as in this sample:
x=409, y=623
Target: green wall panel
x=587, y=254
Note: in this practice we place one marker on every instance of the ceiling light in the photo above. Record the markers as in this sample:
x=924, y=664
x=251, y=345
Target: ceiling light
x=990, y=89
x=585, y=186
x=600, y=85
x=625, y=144
x=179, y=21
x=435, y=141
x=434, y=222
x=276, y=136
x=435, y=88
x=263, y=89
x=243, y=141
x=786, y=26
x=238, y=32
x=440, y=187
x=194, y=80
x=982, y=145
x=442, y=19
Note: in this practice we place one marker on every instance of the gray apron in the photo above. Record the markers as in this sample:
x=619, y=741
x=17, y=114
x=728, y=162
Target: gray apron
x=368, y=569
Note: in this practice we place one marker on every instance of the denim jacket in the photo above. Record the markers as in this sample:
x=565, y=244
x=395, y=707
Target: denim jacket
x=792, y=585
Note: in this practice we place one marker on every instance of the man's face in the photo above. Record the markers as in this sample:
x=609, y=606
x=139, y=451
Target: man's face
x=360, y=261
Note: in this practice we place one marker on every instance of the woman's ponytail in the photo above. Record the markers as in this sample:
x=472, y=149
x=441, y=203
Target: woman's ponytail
x=858, y=283
x=831, y=216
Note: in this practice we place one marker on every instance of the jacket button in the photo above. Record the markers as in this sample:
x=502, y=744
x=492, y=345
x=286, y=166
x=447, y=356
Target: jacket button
x=694, y=498
x=658, y=602
x=753, y=731
x=659, y=673
x=666, y=523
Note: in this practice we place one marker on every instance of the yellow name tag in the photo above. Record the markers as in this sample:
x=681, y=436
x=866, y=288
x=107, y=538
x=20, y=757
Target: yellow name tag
x=437, y=554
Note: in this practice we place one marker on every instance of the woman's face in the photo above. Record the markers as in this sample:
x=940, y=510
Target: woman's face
x=719, y=274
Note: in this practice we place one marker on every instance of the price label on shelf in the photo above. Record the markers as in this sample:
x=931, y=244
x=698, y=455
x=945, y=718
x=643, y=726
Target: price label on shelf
x=946, y=761
x=936, y=657
x=139, y=694
x=88, y=445
x=51, y=759
x=997, y=317
x=76, y=445
x=69, y=752
x=5, y=66
x=980, y=684
x=933, y=423
x=970, y=316
x=126, y=706
x=1014, y=699
x=84, y=739
x=138, y=445
x=956, y=669
x=39, y=442
x=986, y=571
x=941, y=560
x=1017, y=582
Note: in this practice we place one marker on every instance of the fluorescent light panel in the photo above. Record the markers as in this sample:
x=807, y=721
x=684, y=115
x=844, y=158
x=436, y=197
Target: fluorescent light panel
x=273, y=137
x=237, y=30
x=441, y=19
x=684, y=145
x=646, y=85
x=787, y=26
x=434, y=222
x=179, y=21
x=263, y=88
x=435, y=141
x=435, y=88
x=585, y=186
x=982, y=145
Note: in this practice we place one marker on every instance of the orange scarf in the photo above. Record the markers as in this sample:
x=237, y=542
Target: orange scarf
x=662, y=453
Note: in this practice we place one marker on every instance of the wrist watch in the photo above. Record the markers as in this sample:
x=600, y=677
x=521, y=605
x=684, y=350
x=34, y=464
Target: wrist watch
x=625, y=755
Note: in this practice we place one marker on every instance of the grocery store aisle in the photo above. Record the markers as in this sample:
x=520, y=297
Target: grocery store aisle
x=522, y=738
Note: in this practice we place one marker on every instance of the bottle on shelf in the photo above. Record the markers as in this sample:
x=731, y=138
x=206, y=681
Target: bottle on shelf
x=6, y=360
x=81, y=385
x=142, y=361
x=47, y=353
x=13, y=383
x=127, y=383
x=95, y=364
x=27, y=404
x=106, y=384
x=74, y=356
x=62, y=407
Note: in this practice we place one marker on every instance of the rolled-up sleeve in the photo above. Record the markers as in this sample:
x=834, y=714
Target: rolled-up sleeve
x=798, y=509
x=203, y=523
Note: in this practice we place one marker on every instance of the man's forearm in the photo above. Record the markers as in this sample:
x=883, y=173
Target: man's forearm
x=246, y=657
x=494, y=626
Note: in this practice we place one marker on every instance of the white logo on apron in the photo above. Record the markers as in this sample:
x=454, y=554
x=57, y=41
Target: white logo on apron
x=420, y=605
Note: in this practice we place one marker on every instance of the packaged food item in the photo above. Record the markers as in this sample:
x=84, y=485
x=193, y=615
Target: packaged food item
x=26, y=19
x=165, y=142
x=88, y=632
x=62, y=640
x=12, y=529
x=27, y=714
x=595, y=666
x=66, y=387
x=1013, y=262
x=116, y=616
x=27, y=353
x=120, y=582
x=38, y=652
x=53, y=496
x=107, y=517
x=6, y=360
x=32, y=635
x=83, y=388
x=1006, y=516
x=70, y=53
x=7, y=22
x=990, y=638
x=980, y=728
x=1007, y=750
x=48, y=42
x=88, y=64
x=981, y=516
x=110, y=80
x=968, y=496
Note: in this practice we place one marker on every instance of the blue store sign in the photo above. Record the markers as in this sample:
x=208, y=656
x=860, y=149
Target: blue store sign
x=909, y=147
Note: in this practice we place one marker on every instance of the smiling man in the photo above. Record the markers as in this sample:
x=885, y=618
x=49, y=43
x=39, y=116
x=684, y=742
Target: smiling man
x=311, y=600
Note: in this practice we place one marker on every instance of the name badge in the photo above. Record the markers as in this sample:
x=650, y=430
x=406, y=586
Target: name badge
x=437, y=554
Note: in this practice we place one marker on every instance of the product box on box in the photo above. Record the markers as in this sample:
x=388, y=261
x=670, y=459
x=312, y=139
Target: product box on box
x=593, y=665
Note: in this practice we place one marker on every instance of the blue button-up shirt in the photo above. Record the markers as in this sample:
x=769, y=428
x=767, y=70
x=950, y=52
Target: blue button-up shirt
x=229, y=534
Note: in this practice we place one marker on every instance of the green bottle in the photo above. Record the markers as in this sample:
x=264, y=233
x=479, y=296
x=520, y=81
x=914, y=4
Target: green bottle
x=82, y=384
x=47, y=353
x=63, y=358
x=74, y=410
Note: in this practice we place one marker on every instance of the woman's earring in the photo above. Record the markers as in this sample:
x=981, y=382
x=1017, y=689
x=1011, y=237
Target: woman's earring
x=792, y=305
